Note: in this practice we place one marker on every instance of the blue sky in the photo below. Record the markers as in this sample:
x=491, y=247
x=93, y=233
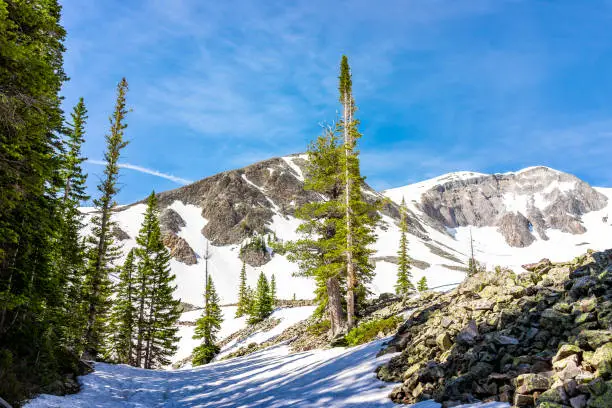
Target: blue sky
x=441, y=85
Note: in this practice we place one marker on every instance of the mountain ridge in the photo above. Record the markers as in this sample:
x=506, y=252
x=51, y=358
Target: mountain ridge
x=228, y=209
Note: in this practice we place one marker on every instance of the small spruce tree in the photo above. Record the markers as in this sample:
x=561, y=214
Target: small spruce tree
x=403, y=286
x=123, y=315
x=243, y=301
x=262, y=303
x=207, y=327
x=273, y=290
x=422, y=284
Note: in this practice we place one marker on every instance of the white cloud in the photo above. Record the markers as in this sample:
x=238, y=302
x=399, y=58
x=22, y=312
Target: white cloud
x=141, y=169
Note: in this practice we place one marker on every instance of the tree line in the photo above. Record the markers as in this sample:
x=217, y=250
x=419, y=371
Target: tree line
x=63, y=296
x=56, y=293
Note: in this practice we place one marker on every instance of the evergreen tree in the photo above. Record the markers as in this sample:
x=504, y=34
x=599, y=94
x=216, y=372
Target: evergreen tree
x=103, y=249
x=207, y=327
x=69, y=247
x=32, y=304
x=123, y=316
x=319, y=252
x=156, y=310
x=360, y=217
x=422, y=285
x=262, y=303
x=404, y=285
x=243, y=301
x=473, y=265
x=164, y=310
x=273, y=290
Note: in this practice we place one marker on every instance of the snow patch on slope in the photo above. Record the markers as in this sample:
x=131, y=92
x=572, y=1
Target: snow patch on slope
x=297, y=170
x=272, y=378
x=288, y=317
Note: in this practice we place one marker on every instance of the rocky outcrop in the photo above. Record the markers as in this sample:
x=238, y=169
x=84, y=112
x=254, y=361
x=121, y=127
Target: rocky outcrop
x=516, y=229
x=542, y=338
x=537, y=198
x=255, y=256
x=179, y=248
x=240, y=203
x=171, y=221
x=120, y=234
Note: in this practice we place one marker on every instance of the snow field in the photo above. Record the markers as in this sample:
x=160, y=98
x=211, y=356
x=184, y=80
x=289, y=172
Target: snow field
x=272, y=378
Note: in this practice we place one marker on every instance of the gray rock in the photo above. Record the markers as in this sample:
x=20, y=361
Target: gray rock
x=468, y=335
x=482, y=201
x=171, y=221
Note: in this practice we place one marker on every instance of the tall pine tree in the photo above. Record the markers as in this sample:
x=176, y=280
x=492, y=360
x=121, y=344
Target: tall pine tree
x=69, y=247
x=103, y=249
x=157, y=312
x=207, y=326
x=243, y=295
x=319, y=252
x=273, y=290
x=403, y=285
x=360, y=217
x=123, y=315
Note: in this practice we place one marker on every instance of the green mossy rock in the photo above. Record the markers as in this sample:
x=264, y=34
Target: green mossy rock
x=602, y=401
x=602, y=360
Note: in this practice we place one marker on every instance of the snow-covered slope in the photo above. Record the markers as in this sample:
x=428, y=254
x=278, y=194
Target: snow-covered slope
x=271, y=378
x=541, y=211
x=490, y=245
x=265, y=194
x=231, y=324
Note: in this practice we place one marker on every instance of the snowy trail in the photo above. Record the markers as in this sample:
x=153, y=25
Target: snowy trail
x=337, y=377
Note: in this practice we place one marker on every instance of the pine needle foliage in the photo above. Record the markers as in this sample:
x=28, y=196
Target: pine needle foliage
x=208, y=326
x=243, y=293
x=262, y=301
x=403, y=286
x=103, y=249
x=422, y=285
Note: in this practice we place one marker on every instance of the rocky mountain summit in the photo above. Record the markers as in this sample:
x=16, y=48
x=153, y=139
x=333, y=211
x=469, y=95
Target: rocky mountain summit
x=541, y=338
x=520, y=204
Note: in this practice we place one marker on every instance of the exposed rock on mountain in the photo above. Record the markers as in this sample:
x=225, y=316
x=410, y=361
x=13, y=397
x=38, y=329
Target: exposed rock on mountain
x=240, y=203
x=537, y=198
x=171, y=221
x=516, y=229
x=179, y=248
x=120, y=234
x=540, y=338
x=509, y=214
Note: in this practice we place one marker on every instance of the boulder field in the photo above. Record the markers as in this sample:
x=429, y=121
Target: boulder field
x=542, y=338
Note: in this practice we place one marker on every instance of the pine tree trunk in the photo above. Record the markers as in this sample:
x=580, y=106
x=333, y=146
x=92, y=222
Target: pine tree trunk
x=141, y=321
x=350, y=272
x=334, y=306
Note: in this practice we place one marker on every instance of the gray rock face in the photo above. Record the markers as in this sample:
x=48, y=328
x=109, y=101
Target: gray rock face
x=120, y=234
x=240, y=203
x=171, y=221
x=179, y=248
x=515, y=229
x=519, y=204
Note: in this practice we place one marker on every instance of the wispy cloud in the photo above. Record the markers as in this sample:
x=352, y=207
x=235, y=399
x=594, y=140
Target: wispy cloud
x=145, y=170
x=483, y=85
